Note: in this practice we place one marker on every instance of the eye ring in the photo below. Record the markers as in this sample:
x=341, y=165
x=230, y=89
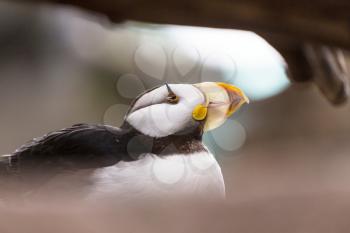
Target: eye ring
x=172, y=99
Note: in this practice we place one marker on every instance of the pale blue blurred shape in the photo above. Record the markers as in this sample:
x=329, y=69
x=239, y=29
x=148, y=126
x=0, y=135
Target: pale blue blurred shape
x=261, y=82
x=229, y=137
x=259, y=69
x=209, y=142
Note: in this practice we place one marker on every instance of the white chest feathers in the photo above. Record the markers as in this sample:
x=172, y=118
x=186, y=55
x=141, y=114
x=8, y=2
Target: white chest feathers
x=197, y=174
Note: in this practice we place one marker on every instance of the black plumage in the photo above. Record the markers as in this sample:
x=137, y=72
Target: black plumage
x=85, y=146
x=79, y=146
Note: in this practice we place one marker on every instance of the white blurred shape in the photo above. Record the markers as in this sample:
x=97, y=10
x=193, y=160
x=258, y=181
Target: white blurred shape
x=218, y=67
x=130, y=86
x=185, y=59
x=114, y=115
x=151, y=59
x=230, y=137
x=259, y=67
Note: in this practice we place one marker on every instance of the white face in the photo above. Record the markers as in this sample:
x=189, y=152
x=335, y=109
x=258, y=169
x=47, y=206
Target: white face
x=208, y=104
x=154, y=116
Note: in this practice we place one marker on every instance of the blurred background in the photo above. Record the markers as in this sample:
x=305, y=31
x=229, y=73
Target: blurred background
x=287, y=150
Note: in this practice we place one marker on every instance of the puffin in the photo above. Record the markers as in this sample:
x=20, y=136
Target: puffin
x=157, y=152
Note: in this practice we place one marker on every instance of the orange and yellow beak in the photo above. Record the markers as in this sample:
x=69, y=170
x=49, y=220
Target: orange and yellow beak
x=222, y=100
x=236, y=97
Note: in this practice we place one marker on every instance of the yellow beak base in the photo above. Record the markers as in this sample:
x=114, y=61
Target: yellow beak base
x=200, y=112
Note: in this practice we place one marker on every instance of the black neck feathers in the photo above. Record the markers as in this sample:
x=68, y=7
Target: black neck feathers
x=184, y=142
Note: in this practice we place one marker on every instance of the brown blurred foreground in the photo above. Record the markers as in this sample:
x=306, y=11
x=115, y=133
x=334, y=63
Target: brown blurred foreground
x=310, y=213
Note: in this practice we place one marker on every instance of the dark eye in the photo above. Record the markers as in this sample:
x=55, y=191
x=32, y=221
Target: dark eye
x=172, y=99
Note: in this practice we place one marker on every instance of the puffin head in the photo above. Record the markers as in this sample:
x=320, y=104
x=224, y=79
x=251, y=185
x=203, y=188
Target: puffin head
x=174, y=108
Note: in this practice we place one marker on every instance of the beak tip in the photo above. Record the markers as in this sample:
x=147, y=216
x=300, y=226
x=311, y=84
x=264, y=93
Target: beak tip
x=245, y=98
x=236, y=90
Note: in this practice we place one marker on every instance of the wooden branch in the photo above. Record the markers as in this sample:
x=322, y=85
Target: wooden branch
x=322, y=21
x=331, y=73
